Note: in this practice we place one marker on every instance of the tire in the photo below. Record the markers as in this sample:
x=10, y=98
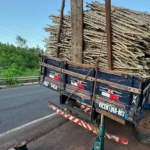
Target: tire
x=143, y=130
x=144, y=138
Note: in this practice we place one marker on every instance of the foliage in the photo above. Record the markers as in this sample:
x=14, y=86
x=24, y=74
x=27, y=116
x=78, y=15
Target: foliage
x=17, y=62
x=21, y=42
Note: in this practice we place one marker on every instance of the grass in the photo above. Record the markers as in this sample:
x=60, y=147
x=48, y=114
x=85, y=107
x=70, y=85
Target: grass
x=9, y=75
x=28, y=72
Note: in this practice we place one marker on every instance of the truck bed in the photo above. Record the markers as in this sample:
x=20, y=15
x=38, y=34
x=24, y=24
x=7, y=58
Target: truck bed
x=119, y=94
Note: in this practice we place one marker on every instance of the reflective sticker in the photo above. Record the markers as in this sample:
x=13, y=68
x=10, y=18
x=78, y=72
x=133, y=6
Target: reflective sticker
x=51, y=75
x=105, y=94
x=56, y=78
x=78, y=84
x=111, y=96
x=134, y=100
x=46, y=83
x=73, y=83
x=114, y=97
x=54, y=86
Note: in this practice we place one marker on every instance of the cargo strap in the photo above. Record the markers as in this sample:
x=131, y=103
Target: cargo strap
x=96, y=69
x=78, y=87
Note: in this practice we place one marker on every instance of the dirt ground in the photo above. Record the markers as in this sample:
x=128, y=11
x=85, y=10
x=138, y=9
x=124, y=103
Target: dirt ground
x=70, y=136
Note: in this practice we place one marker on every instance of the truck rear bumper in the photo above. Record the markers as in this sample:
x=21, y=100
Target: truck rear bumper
x=84, y=124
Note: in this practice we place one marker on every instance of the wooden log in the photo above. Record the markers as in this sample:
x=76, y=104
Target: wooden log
x=130, y=38
x=77, y=30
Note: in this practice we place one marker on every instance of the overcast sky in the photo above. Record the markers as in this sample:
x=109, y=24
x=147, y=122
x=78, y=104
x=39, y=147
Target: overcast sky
x=27, y=18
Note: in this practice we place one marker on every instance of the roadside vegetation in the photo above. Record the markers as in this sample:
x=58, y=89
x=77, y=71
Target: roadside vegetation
x=18, y=61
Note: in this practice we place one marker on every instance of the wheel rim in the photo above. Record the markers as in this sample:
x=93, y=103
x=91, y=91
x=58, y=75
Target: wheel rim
x=146, y=124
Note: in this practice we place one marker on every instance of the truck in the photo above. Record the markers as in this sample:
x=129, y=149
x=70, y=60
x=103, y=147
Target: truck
x=87, y=92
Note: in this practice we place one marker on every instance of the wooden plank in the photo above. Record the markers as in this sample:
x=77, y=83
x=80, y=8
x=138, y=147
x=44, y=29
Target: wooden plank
x=77, y=30
x=118, y=86
x=108, y=31
x=109, y=115
x=113, y=72
x=60, y=26
x=67, y=72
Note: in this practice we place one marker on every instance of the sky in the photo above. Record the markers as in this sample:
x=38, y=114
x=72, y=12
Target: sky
x=27, y=18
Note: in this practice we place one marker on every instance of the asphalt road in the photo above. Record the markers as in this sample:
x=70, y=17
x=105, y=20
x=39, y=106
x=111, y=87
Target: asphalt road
x=21, y=105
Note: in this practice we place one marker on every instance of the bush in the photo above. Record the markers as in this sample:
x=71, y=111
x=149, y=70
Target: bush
x=17, y=62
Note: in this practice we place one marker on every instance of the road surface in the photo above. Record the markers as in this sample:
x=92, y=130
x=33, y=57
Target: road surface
x=21, y=106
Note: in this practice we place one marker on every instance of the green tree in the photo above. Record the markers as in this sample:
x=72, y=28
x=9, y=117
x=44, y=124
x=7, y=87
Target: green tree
x=37, y=50
x=21, y=42
x=17, y=61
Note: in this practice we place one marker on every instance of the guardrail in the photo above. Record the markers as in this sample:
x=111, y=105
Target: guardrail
x=21, y=78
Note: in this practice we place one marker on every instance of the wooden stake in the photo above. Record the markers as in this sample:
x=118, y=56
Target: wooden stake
x=77, y=30
x=108, y=30
x=60, y=26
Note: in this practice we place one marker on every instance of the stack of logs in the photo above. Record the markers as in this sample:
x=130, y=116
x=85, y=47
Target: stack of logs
x=130, y=38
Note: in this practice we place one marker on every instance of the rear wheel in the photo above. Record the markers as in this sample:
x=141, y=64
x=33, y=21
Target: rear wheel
x=143, y=130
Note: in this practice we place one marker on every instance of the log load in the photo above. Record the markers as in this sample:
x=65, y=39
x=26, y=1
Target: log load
x=130, y=38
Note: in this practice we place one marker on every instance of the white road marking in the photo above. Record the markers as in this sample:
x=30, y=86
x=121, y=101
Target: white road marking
x=27, y=124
